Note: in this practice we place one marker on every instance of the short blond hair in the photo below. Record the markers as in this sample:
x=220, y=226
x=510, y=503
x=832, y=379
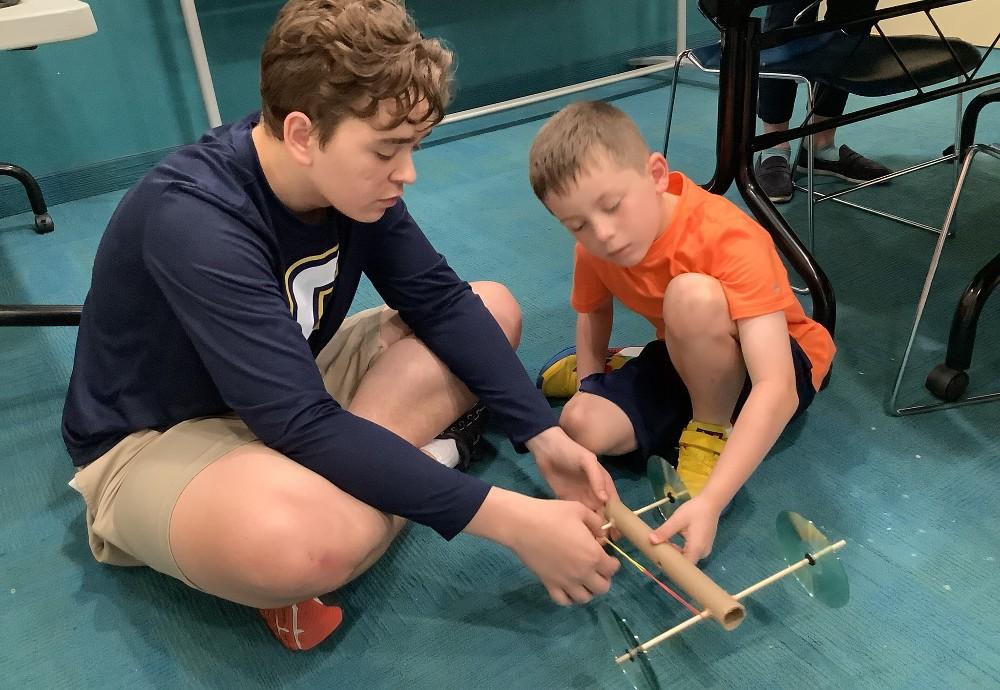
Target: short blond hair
x=333, y=59
x=574, y=136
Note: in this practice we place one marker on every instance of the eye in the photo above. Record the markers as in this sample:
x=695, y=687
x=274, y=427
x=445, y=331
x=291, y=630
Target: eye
x=384, y=156
x=613, y=207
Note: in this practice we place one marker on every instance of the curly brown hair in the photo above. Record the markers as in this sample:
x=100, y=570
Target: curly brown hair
x=333, y=59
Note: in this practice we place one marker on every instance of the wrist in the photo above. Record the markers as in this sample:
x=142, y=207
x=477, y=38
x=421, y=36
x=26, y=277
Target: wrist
x=715, y=497
x=539, y=443
x=498, y=517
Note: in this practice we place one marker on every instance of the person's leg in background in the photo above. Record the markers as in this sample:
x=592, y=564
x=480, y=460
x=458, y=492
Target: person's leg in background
x=776, y=102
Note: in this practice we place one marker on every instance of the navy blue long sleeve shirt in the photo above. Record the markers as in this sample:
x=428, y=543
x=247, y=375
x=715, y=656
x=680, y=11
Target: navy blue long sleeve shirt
x=209, y=297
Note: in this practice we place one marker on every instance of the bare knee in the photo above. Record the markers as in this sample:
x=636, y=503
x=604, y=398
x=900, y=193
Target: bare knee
x=294, y=555
x=504, y=307
x=695, y=304
x=258, y=529
x=597, y=424
x=575, y=420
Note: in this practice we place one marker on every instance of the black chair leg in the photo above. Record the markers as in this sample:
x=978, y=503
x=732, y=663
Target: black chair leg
x=36, y=314
x=39, y=315
x=737, y=122
x=43, y=221
x=949, y=380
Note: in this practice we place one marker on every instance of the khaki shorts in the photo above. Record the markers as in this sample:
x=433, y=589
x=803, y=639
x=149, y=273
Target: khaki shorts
x=131, y=490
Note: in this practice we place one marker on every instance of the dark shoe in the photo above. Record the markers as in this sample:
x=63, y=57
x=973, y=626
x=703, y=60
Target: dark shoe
x=775, y=178
x=558, y=376
x=851, y=166
x=466, y=431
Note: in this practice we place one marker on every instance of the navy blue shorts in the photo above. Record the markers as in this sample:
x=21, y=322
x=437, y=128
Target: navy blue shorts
x=654, y=398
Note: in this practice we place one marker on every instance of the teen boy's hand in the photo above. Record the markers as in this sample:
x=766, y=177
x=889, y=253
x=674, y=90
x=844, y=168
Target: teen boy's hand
x=556, y=540
x=696, y=521
x=572, y=471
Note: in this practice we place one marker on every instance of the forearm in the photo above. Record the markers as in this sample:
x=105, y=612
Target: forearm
x=498, y=516
x=764, y=416
x=593, y=333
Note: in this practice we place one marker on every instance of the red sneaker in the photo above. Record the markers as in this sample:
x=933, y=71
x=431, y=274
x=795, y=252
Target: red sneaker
x=304, y=625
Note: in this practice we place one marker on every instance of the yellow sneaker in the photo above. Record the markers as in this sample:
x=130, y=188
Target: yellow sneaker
x=699, y=449
x=558, y=376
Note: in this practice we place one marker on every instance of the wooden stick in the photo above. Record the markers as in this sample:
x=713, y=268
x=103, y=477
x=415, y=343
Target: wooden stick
x=720, y=605
x=646, y=646
x=644, y=509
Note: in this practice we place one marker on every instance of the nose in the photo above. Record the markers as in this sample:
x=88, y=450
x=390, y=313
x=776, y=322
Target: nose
x=406, y=172
x=604, y=231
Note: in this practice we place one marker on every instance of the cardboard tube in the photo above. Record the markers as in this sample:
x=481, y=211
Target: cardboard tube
x=721, y=605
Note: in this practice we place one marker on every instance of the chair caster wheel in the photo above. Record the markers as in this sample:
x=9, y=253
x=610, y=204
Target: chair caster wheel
x=946, y=383
x=44, y=224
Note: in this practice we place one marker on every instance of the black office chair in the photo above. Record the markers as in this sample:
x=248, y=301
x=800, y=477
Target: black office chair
x=860, y=64
x=43, y=221
x=25, y=28
x=737, y=141
x=949, y=380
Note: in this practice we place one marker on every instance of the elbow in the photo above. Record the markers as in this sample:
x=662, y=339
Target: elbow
x=779, y=396
x=789, y=400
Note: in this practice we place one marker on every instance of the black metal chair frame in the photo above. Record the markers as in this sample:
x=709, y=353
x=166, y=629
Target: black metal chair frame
x=35, y=314
x=737, y=141
x=819, y=59
x=949, y=380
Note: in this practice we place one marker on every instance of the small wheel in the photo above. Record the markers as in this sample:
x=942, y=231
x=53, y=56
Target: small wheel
x=665, y=483
x=946, y=383
x=44, y=224
x=824, y=579
x=638, y=672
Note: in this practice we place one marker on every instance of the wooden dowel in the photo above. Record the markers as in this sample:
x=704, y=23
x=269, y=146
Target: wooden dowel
x=644, y=509
x=646, y=646
x=791, y=569
x=721, y=606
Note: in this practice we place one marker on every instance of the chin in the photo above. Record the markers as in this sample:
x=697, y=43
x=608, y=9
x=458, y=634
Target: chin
x=627, y=260
x=367, y=216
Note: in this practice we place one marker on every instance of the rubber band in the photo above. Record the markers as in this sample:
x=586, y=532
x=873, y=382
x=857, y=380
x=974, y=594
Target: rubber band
x=652, y=577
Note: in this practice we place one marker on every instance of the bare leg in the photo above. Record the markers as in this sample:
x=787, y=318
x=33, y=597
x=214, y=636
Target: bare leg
x=704, y=346
x=781, y=127
x=430, y=387
x=598, y=425
x=225, y=541
x=821, y=140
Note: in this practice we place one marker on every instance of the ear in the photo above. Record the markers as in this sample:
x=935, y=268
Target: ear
x=659, y=171
x=298, y=136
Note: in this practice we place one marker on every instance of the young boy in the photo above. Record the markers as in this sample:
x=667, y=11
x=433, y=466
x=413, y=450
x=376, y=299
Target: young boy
x=732, y=342
x=231, y=427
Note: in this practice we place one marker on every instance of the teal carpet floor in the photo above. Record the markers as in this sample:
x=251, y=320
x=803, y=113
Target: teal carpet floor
x=917, y=498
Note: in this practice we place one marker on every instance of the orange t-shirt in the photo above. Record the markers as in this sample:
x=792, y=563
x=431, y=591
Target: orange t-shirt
x=709, y=235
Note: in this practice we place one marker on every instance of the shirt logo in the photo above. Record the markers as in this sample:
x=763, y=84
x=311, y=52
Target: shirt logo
x=308, y=282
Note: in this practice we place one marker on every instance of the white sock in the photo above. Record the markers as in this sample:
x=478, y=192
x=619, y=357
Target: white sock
x=781, y=151
x=444, y=450
x=828, y=153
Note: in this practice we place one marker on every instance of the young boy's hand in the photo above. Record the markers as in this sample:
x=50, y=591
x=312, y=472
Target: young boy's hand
x=572, y=471
x=696, y=521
